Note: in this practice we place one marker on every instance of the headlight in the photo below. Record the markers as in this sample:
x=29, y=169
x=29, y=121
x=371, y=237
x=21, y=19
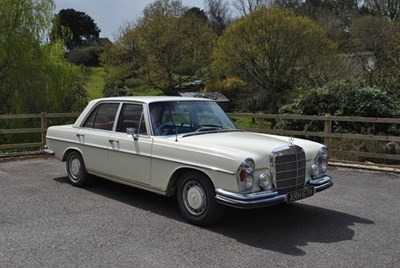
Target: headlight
x=320, y=162
x=245, y=175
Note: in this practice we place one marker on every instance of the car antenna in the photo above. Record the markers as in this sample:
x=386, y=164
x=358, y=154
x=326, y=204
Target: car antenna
x=176, y=133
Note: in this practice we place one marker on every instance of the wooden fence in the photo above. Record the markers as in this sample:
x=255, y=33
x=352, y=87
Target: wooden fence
x=44, y=117
x=327, y=136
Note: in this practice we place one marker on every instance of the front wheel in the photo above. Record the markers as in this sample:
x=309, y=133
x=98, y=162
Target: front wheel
x=196, y=199
x=76, y=170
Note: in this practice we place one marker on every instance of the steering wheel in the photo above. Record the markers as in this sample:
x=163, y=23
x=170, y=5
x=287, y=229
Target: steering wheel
x=167, y=128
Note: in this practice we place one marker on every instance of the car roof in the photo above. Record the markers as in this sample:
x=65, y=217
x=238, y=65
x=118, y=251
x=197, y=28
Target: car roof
x=150, y=99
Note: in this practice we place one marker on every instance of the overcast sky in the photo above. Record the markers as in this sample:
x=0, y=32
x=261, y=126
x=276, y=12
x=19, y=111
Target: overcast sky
x=110, y=15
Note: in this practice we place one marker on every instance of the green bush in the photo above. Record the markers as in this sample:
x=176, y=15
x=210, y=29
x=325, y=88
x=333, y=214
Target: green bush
x=114, y=89
x=343, y=98
x=87, y=56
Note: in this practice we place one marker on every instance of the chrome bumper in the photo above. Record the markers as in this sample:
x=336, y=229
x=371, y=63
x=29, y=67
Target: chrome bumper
x=48, y=151
x=263, y=199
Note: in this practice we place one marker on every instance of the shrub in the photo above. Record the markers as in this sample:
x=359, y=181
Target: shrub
x=343, y=98
x=87, y=56
x=114, y=89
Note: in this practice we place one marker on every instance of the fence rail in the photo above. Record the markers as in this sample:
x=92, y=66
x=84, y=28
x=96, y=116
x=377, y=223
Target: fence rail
x=327, y=135
x=43, y=128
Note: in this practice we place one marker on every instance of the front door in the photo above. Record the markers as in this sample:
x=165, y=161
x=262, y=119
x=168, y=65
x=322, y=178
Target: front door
x=129, y=158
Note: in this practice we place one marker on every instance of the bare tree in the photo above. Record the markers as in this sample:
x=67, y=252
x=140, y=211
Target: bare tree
x=291, y=4
x=218, y=13
x=386, y=8
x=244, y=7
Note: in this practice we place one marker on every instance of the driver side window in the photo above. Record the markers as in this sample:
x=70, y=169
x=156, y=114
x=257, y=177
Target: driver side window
x=159, y=114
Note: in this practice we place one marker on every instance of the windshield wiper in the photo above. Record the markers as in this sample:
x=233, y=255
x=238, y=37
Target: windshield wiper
x=209, y=130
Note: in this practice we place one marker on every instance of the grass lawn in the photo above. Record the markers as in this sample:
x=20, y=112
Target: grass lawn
x=94, y=79
x=247, y=122
x=145, y=91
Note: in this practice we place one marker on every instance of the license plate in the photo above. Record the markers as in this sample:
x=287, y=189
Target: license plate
x=300, y=194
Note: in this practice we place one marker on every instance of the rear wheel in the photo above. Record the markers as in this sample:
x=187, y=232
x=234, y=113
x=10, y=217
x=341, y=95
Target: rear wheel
x=76, y=170
x=196, y=199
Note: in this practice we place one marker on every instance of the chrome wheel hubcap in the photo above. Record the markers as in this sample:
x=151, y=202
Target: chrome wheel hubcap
x=194, y=198
x=75, y=168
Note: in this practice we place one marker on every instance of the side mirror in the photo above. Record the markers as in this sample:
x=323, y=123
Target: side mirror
x=132, y=131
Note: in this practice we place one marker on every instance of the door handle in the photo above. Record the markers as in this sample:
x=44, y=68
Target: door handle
x=80, y=135
x=113, y=140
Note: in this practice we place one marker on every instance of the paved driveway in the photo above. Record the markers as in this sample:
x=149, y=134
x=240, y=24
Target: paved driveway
x=46, y=222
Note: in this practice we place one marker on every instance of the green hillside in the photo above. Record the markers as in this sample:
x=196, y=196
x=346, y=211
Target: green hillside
x=94, y=78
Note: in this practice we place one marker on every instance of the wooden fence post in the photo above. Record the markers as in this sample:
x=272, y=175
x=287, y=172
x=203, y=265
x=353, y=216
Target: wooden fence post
x=327, y=129
x=43, y=123
x=260, y=122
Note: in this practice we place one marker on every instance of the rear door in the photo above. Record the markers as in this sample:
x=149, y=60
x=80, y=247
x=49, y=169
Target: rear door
x=94, y=134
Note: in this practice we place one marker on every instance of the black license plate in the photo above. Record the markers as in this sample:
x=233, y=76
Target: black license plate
x=300, y=194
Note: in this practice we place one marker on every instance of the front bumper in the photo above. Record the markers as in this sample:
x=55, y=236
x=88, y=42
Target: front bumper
x=264, y=199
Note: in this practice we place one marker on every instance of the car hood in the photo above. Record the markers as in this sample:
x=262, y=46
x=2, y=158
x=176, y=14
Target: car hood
x=246, y=144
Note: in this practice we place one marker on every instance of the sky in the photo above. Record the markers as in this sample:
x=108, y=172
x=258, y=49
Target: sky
x=110, y=15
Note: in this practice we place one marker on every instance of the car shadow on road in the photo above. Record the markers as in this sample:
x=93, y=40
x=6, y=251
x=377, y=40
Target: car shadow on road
x=283, y=228
x=134, y=197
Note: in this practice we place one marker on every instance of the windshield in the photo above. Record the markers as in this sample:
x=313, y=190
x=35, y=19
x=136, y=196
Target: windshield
x=179, y=117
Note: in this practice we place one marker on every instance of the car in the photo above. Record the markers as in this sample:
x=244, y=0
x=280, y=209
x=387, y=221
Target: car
x=191, y=149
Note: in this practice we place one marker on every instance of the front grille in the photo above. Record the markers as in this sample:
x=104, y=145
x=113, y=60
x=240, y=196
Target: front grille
x=288, y=166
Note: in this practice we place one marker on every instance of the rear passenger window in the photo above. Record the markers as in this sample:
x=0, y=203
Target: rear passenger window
x=131, y=116
x=102, y=117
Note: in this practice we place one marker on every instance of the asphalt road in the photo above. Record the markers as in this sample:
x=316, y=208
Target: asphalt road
x=46, y=222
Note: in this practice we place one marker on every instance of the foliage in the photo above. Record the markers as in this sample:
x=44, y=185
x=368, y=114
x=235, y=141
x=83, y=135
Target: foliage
x=235, y=90
x=272, y=50
x=343, y=98
x=112, y=89
x=369, y=33
x=165, y=49
x=87, y=56
x=34, y=77
x=380, y=38
x=81, y=26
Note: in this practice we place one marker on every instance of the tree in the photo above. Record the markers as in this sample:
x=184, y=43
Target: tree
x=379, y=38
x=218, y=14
x=200, y=13
x=76, y=28
x=165, y=49
x=245, y=7
x=34, y=77
x=336, y=17
x=271, y=50
x=123, y=59
x=387, y=8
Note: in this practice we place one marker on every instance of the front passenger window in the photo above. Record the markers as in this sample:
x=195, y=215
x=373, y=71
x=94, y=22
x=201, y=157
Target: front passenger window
x=132, y=117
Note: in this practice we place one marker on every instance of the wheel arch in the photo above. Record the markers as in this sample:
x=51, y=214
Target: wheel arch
x=70, y=150
x=172, y=184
